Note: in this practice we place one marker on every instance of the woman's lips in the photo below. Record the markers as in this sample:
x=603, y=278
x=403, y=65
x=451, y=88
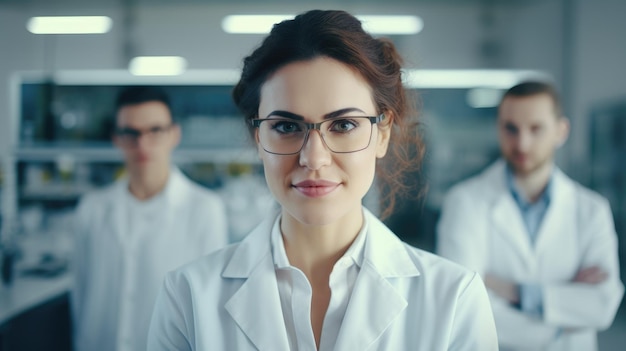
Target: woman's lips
x=316, y=188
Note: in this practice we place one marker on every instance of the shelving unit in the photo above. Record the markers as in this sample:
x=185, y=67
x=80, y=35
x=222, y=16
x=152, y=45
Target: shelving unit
x=63, y=119
x=61, y=148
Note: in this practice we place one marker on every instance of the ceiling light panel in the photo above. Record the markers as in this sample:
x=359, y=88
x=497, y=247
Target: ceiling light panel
x=459, y=78
x=390, y=25
x=69, y=25
x=262, y=24
x=157, y=65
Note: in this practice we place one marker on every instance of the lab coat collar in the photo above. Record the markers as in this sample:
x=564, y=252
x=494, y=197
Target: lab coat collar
x=175, y=193
x=178, y=186
x=279, y=254
x=375, y=303
x=373, y=306
x=506, y=214
x=562, y=211
x=383, y=250
x=251, y=251
x=255, y=307
x=175, y=189
x=520, y=198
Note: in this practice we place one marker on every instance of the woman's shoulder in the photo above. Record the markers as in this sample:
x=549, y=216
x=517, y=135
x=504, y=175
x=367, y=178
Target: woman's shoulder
x=205, y=269
x=390, y=251
x=439, y=270
x=390, y=254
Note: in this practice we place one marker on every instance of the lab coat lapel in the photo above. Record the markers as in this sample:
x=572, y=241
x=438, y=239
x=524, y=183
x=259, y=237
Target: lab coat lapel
x=256, y=307
x=118, y=219
x=558, y=218
x=375, y=303
x=178, y=188
x=506, y=217
x=175, y=200
x=509, y=224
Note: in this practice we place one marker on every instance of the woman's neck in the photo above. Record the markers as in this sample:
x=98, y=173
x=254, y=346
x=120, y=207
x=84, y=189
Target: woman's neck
x=315, y=249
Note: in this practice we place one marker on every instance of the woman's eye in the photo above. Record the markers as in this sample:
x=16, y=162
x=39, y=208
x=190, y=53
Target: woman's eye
x=286, y=127
x=343, y=125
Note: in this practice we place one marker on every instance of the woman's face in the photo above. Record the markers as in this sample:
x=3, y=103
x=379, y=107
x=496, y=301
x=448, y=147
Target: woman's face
x=317, y=186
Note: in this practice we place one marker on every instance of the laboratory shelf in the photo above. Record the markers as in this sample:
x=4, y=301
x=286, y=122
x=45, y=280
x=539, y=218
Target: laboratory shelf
x=219, y=155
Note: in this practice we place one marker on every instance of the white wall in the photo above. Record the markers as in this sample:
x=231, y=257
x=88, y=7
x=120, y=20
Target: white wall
x=535, y=36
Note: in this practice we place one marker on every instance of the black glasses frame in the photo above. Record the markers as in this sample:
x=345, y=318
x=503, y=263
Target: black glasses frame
x=133, y=135
x=256, y=123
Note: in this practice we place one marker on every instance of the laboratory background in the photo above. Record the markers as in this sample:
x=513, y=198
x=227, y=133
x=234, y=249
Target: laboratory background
x=57, y=94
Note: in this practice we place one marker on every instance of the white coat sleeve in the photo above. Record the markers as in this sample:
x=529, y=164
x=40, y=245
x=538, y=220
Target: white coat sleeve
x=462, y=236
x=517, y=330
x=472, y=330
x=578, y=305
x=168, y=326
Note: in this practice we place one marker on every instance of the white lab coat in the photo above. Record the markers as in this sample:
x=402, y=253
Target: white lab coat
x=118, y=274
x=403, y=299
x=482, y=228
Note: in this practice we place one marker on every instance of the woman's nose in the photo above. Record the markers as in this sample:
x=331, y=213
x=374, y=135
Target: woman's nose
x=315, y=154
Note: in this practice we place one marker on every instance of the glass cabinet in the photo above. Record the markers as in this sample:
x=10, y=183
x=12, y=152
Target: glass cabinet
x=62, y=147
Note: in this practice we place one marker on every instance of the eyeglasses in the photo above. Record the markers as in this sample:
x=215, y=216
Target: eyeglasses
x=284, y=136
x=132, y=135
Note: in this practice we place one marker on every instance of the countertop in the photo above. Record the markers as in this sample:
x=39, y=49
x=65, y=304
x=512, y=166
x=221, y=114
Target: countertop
x=29, y=291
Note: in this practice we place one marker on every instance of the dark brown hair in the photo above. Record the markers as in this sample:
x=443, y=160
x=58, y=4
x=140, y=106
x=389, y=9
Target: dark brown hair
x=135, y=95
x=531, y=88
x=340, y=36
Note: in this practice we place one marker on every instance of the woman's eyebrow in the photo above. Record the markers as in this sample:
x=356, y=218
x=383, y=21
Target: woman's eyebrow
x=291, y=115
x=285, y=114
x=342, y=112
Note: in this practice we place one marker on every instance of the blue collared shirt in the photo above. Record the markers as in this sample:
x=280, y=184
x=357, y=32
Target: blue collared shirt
x=532, y=212
x=531, y=295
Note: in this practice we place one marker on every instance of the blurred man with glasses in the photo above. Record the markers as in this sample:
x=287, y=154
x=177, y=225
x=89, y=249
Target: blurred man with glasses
x=131, y=233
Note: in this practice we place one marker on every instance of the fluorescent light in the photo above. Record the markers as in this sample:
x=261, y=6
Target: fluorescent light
x=251, y=24
x=262, y=24
x=484, y=97
x=404, y=25
x=157, y=65
x=69, y=25
x=124, y=77
x=459, y=78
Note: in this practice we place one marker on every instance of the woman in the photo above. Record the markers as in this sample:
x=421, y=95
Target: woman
x=323, y=100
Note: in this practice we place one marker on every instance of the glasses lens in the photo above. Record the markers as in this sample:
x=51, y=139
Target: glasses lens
x=282, y=136
x=341, y=135
x=347, y=134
